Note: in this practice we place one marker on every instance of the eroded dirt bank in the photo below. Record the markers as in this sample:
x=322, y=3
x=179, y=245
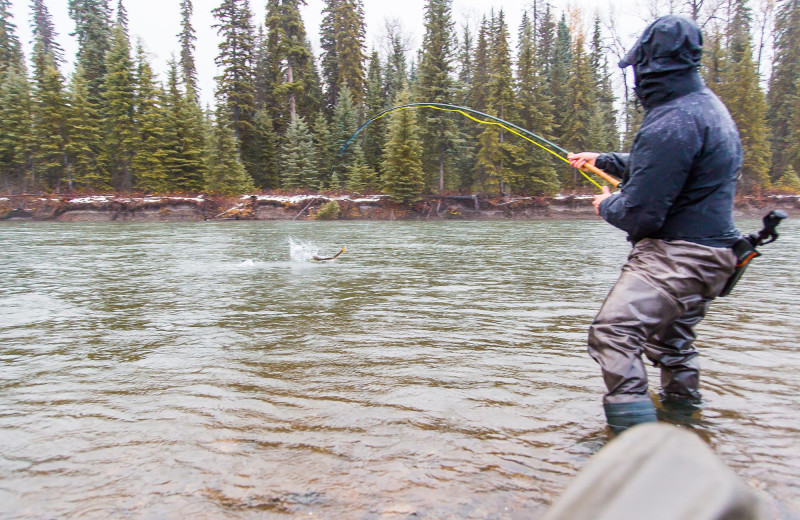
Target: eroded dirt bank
x=103, y=208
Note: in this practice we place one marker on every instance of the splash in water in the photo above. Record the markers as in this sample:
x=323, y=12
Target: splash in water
x=302, y=251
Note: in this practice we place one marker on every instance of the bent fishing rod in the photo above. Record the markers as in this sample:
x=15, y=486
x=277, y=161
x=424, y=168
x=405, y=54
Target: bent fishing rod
x=529, y=136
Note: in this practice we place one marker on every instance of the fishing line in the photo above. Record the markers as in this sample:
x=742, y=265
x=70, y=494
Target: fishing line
x=514, y=129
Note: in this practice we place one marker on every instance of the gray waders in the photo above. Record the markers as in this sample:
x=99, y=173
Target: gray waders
x=664, y=290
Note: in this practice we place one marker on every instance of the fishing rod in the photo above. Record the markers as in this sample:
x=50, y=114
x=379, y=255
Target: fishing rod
x=496, y=121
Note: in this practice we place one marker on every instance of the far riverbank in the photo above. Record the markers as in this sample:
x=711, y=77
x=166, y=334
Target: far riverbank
x=110, y=207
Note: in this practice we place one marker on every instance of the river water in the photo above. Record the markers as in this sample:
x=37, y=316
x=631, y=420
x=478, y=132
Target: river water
x=435, y=370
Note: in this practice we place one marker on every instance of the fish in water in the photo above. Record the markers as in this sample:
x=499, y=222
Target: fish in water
x=334, y=257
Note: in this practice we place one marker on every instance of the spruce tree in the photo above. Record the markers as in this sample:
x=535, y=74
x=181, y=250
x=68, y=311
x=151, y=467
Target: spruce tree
x=149, y=164
x=15, y=131
x=403, y=177
x=466, y=68
x=235, y=85
x=44, y=31
x=120, y=139
x=290, y=70
x=93, y=28
x=603, y=120
x=342, y=35
x=345, y=124
x=535, y=166
x=395, y=69
x=782, y=99
x=266, y=173
x=373, y=140
x=85, y=137
x=225, y=173
x=49, y=134
x=439, y=134
x=186, y=38
x=325, y=151
x=579, y=104
x=480, y=78
x=10, y=48
x=739, y=89
x=298, y=170
x=559, y=75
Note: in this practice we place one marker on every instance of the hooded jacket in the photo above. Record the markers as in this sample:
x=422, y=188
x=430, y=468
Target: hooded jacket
x=680, y=177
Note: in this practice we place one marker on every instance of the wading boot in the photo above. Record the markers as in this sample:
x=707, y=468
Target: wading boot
x=621, y=416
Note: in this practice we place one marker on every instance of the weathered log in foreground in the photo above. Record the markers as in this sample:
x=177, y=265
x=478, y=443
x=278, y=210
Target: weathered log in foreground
x=307, y=207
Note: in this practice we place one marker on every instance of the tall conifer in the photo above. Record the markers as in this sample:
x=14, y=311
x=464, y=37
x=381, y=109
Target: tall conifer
x=342, y=36
x=120, y=137
x=403, y=176
x=784, y=108
x=739, y=89
x=235, y=84
x=536, y=172
x=93, y=28
x=15, y=131
x=187, y=38
x=436, y=85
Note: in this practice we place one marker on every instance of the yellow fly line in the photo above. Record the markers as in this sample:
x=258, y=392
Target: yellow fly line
x=484, y=122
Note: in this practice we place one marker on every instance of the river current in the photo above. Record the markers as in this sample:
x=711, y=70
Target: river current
x=434, y=370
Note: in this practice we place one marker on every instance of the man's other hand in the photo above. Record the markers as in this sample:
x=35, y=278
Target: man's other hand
x=600, y=198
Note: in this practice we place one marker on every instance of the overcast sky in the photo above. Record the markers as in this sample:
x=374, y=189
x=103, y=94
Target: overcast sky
x=157, y=23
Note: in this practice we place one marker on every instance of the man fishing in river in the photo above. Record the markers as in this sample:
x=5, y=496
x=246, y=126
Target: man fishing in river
x=676, y=204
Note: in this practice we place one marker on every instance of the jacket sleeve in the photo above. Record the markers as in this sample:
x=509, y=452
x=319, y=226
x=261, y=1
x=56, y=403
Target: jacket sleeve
x=613, y=163
x=660, y=163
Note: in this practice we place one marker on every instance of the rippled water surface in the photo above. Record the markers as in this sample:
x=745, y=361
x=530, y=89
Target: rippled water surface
x=210, y=370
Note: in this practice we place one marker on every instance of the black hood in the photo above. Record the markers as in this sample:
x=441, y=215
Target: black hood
x=666, y=60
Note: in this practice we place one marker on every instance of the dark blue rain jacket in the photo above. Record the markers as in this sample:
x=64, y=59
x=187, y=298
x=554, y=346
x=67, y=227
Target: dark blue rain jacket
x=680, y=177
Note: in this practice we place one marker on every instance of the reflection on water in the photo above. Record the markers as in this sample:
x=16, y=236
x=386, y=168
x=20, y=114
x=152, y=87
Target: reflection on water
x=438, y=369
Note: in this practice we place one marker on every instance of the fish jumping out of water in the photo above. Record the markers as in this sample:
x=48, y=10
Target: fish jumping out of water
x=334, y=257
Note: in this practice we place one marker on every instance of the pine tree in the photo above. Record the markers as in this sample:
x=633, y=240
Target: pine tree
x=395, y=69
x=603, y=119
x=85, y=137
x=225, y=173
x=15, y=131
x=739, y=89
x=562, y=60
x=44, y=31
x=789, y=182
x=403, y=176
x=535, y=166
x=10, y=48
x=783, y=101
x=120, y=137
x=373, y=140
x=122, y=17
x=297, y=157
x=480, y=79
x=291, y=63
x=579, y=104
x=186, y=38
x=93, y=29
x=342, y=42
x=466, y=68
x=266, y=175
x=49, y=133
x=436, y=85
x=235, y=85
x=344, y=125
x=325, y=151
x=149, y=164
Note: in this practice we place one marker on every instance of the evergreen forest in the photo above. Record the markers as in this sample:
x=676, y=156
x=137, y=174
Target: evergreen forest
x=282, y=113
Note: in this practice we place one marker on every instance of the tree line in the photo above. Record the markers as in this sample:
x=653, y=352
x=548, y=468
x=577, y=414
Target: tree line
x=282, y=114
